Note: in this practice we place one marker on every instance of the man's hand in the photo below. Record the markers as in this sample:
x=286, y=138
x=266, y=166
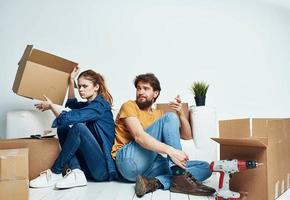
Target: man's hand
x=176, y=105
x=44, y=105
x=178, y=157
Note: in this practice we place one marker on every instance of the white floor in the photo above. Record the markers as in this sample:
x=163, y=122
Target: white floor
x=114, y=191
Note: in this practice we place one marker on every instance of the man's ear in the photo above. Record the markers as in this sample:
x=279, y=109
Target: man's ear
x=155, y=94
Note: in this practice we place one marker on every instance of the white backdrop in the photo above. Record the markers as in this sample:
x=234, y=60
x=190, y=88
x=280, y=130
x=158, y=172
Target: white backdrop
x=241, y=48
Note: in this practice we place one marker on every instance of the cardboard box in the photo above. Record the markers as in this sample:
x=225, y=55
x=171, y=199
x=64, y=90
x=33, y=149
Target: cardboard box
x=42, y=73
x=42, y=153
x=264, y=140
x=165, y=108
x=14, y=189
x=13, y=164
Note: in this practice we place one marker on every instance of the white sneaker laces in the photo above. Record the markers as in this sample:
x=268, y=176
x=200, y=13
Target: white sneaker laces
x=47, y=174
x=68, y=172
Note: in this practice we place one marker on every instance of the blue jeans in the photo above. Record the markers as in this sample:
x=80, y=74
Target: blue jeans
x=80, y=150
x=133, y=160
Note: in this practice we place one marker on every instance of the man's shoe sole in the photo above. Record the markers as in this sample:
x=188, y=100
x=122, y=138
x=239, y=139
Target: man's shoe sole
x=140, y=188
x=179, y=190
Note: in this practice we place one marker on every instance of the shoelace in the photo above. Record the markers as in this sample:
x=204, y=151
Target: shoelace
x=47, y=174
x=68, y=171
x=190, y=177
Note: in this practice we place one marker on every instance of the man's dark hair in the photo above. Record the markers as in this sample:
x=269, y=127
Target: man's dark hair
x=149, y=78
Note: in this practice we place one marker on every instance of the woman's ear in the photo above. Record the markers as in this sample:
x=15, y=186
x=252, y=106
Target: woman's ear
x=97, y=88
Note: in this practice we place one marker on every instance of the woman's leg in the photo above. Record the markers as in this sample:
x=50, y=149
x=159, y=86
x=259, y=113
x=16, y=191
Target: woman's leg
x=62, y=133
x=80, y=139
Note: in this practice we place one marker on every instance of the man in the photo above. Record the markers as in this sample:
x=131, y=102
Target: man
x=143, y=133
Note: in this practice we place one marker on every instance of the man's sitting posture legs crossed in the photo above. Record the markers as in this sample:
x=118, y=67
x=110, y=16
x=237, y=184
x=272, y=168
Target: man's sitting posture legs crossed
x=144, y=133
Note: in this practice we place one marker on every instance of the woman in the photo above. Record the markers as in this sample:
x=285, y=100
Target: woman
x=86, y=135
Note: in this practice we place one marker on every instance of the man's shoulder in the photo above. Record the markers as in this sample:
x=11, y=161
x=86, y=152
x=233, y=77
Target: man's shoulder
x=128, y=109
x=129, y=103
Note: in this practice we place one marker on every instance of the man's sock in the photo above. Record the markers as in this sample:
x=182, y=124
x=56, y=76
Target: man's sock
x=177, y=170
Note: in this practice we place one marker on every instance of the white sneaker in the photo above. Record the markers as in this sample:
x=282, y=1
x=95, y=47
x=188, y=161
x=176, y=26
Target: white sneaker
x=46, y=179
x=73, y=178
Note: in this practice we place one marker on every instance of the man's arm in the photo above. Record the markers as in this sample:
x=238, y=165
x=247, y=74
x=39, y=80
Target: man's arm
x=148, y=142
x=185, y=129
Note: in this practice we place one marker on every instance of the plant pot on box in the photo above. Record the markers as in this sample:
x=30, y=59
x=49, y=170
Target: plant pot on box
x=199, y=100
x=199, y=89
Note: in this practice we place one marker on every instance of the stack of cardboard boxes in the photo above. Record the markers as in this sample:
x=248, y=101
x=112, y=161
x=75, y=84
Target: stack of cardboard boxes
x=265, y=140
x=39, y=73
x=14, y=174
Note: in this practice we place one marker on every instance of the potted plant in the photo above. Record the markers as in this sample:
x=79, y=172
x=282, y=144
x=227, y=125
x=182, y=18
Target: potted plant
x=199, y=89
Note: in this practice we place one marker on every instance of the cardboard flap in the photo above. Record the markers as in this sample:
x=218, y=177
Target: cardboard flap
x=273, y=129
x=25, y=55
x=165, y=107
x=52, y=61
x=251, y=142
x=21, y=67
x=237, y=128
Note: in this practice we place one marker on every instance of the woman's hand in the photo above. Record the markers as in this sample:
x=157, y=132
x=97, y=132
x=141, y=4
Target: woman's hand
x=178, y=157
x=176, y=105
x=74, y=73
x=44, y=105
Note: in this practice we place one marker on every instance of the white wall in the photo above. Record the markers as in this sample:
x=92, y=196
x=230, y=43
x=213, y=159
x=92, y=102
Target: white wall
x=240, y=47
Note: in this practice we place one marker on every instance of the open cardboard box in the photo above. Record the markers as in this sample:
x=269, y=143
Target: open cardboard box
x=265, y=140
x=40, y=73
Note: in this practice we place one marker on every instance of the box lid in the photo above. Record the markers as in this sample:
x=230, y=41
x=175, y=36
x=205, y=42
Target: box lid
x=235, y=128
x=250, y=142
x=46, y=59
x=272, y=128
x=25, y=55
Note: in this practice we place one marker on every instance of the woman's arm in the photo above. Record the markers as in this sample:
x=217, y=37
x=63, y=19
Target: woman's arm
x=73, y=75
x=48, y=105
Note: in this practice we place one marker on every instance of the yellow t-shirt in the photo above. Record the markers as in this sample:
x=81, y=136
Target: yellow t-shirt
x=131, y=109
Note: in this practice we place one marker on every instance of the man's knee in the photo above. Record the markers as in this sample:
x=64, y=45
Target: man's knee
x=171, y=118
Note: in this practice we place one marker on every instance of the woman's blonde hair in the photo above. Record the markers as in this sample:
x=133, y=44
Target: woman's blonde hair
x=97, y=78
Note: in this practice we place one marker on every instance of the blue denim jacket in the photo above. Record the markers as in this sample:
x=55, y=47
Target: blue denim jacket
x=98, y=117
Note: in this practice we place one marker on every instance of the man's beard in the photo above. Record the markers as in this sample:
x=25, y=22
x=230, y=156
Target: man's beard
x=145, y=104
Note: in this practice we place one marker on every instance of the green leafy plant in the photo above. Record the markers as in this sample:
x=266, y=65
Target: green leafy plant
x=199, y=88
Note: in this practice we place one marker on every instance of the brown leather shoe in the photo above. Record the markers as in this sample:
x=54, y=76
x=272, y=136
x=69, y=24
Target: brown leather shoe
x=145, y=185
x=187, y=184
